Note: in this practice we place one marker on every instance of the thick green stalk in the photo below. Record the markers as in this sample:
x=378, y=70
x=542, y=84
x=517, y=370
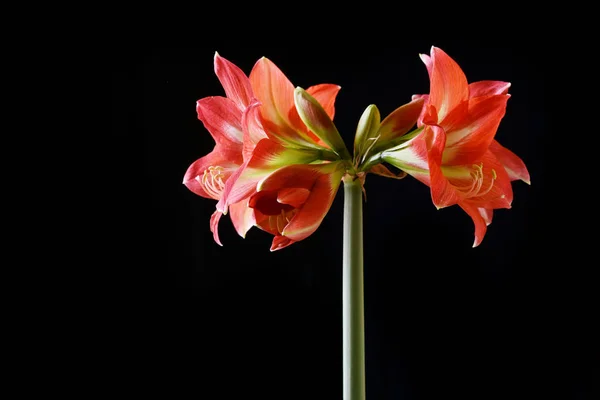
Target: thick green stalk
x=353, y=293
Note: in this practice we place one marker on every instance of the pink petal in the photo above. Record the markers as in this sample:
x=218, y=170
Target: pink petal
x=242, y=217
x=214, y=226
x=235, y=82
x=225, y=158
x=222, y=118
x=253, y=130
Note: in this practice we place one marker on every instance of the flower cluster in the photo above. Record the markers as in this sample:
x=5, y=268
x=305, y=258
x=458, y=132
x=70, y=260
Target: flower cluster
x=279, y=160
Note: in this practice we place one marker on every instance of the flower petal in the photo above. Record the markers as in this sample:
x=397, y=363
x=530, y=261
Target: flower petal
x=514, y=166
x=211, y=186
x=253, y=130
x=488, y=88
x=470, y=138
x=317, y=120
x=401, y=120
x=325, y=94
x=266, y=158
x=214, y=226
x=428, y=63
x=222, y=118
x=280, y=242
x=235, y=82
x=486, y=214
x=489, y=183
x=443, y=193
x=323, y=181
x=448, y=86
x=425, y=98
x=478, y=220
x=293, y=196
x=275, y=92
x=411, y=157
x=242, y=217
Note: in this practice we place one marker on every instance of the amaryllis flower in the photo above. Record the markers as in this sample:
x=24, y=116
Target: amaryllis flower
x=237, y=123
x=222, y=117
x=454, y=151
x=289, y=187
x=291, y=202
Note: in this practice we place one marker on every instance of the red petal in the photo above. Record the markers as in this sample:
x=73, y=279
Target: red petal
x=276, y=95
x=322, y=180
x=325, y=94
x=514, y=166
x=428, y=63
x=401, y=120
x=266, y=158
x=222, y=118
x=443, y=193
x=214, y=226
x=478, y=220
x=448, y=87
x=487, y=215
x=412, y=157
x=225, y=158
x=293, y=196
x=496, y=190
x=488, y=88
x=425, y=98
x=242, y=217
x=280, y=242
x=467, y=140
x=234, y=81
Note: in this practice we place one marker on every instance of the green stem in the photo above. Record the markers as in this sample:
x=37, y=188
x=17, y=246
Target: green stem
x=353, y=293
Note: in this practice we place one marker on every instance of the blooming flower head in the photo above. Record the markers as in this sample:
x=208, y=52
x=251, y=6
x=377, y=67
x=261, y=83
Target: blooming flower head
x=454, y=151
x=257, y=130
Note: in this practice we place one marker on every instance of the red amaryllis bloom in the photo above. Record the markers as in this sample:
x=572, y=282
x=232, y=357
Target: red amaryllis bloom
x=290, y=197
x=236, y=124
x=455, y=153
x=277, y=117
x=291, y=202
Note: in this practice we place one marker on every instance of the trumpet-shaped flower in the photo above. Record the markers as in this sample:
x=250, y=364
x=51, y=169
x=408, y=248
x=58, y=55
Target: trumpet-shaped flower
x=454, y=151
x=257, y=129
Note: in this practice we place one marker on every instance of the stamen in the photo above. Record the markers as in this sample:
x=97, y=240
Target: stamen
x=212, y=181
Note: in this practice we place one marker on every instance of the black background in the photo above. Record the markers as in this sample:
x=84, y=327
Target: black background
x=509, y=319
